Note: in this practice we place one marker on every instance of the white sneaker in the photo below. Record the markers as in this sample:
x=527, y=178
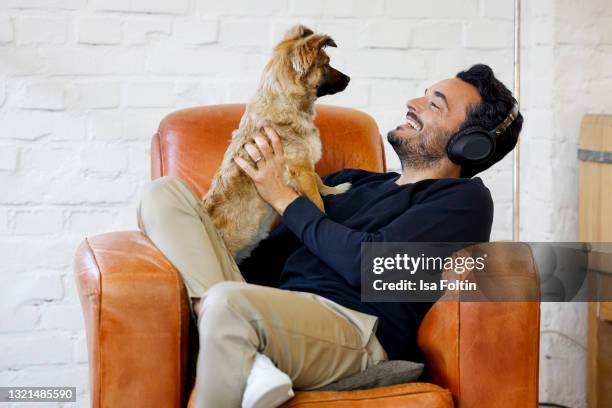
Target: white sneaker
x=267, y=386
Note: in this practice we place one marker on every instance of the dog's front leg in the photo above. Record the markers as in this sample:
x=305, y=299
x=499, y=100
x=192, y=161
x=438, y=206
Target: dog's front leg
x=326, y=190
x=306, y=182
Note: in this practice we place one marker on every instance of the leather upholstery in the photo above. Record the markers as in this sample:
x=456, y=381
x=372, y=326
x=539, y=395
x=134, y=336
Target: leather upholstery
x=137, y=316
x=486, y=353
x=413, y=395
x=137, y=320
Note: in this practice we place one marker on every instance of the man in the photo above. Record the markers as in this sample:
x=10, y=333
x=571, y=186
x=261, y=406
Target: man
x=300, y=312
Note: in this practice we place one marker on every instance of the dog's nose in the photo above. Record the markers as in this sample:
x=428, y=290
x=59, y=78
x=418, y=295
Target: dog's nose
x=345, y=80
x=343, y=83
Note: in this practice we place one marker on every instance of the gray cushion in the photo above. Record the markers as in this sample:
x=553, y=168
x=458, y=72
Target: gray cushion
x=381, y=375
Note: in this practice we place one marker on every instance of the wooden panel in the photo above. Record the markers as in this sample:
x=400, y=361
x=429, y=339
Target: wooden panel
x=605, y=311
x=595, y=225
x=595, y=203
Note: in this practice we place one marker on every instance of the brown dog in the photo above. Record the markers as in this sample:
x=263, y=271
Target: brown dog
x=297, y=74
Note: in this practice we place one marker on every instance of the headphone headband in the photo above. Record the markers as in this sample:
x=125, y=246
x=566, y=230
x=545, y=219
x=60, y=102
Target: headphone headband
x=512, y=115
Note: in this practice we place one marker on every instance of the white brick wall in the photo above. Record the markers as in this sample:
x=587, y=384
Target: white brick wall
x=6, y=29
x=44, y=95
x=35, y=29
x=96, y=94
x=99, y=30
x=84, y=84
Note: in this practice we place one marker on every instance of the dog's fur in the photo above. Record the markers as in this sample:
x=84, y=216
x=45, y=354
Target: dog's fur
x=296, y=75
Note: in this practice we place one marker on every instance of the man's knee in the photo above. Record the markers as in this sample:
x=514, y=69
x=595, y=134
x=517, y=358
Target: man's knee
x=223, y=295
x=157, y=190
x=158, y=198
x=224, y=302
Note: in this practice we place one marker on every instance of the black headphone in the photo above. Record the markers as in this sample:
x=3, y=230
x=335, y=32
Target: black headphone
x=475, y=144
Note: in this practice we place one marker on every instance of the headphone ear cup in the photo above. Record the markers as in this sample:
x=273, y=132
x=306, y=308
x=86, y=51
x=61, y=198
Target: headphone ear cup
x=472, y=145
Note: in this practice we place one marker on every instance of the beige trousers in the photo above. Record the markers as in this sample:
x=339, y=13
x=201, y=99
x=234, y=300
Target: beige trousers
x=312, y=339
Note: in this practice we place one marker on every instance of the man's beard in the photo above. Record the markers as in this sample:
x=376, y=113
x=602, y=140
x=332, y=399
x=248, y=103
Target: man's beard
x=422, y=152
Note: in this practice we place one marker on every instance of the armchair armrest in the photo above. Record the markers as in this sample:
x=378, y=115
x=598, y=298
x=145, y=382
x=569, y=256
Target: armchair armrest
x=487, y=353
x=137, y=321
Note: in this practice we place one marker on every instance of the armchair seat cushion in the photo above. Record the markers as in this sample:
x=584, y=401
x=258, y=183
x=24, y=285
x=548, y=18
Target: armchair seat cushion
x=413, y=395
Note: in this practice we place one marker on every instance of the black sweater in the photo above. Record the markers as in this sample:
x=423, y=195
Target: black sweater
x=320, y=253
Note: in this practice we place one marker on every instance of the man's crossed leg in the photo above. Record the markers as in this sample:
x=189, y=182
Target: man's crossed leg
x=312, y=339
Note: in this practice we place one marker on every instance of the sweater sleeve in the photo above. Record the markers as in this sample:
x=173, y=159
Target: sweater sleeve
x=265, y=264
x=460, y=214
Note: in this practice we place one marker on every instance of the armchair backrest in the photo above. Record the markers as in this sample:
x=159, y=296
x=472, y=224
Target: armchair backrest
x=190, y=143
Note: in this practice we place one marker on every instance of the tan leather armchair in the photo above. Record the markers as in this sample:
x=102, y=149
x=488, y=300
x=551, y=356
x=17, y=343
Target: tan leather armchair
x=140, y=336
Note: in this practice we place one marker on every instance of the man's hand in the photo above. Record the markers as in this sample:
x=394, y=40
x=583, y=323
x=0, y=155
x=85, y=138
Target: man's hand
x=268, y=174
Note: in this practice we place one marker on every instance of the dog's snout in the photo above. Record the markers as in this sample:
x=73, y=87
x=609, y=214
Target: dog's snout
x=333, y=82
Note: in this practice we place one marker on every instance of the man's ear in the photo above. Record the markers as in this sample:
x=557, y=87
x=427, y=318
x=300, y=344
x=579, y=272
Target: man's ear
x=297, y=32
x=304, y=55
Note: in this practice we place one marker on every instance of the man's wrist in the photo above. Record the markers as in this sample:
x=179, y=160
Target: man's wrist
x=283, y=202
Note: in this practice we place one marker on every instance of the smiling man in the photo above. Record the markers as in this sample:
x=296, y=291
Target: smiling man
x=301, y=308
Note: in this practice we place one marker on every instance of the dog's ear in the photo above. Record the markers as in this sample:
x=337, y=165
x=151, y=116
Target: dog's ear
x=304, y=55
x=297, y=32
x=321, y=40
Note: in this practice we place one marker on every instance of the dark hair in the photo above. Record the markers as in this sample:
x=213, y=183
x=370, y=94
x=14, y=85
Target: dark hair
x=497, y=101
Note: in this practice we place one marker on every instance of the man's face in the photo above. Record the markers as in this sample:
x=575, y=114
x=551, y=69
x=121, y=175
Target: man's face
x=430, y=121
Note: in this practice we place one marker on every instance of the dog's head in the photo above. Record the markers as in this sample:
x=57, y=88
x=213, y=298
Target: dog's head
x=303, y=60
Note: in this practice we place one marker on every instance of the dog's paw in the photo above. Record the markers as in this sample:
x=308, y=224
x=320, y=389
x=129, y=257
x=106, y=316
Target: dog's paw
x=340, y=188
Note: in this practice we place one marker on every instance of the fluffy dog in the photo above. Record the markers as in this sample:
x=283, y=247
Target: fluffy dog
x=297, y=74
